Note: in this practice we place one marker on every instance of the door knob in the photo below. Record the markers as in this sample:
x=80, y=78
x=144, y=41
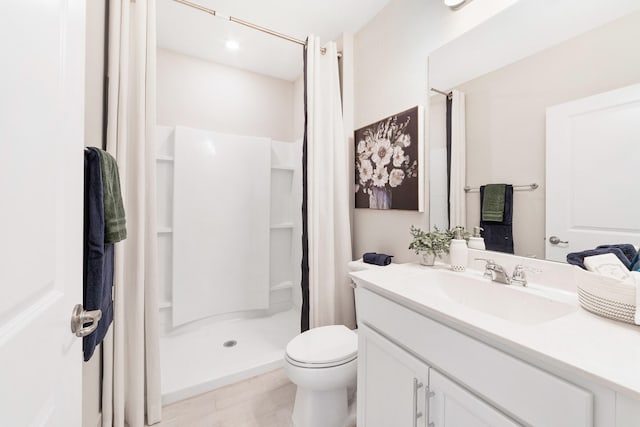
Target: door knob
x=79, y=317
x=554, y=240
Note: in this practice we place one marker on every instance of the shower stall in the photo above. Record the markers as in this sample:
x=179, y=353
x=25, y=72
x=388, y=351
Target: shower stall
x=229, y=253
x=229, y=194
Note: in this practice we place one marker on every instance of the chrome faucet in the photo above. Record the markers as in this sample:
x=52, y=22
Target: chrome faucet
x=497, y=273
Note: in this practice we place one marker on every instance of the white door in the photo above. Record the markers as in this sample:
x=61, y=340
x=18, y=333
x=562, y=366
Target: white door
x=593, y=178
x=452, y=406
x=391, y=384
x=41, y=181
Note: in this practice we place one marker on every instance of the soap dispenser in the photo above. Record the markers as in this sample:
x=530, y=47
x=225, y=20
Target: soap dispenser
x=459, y=253
x=477, y=241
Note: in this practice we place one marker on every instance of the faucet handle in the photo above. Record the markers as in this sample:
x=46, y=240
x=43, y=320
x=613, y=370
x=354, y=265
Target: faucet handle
x=488, y=266
x=527, y=268
x=519, y=274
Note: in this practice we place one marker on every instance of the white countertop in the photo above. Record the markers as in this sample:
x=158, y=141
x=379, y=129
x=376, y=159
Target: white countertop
x=597, y=349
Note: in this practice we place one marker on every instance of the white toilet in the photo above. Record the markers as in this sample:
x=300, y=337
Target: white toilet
x=322, y=362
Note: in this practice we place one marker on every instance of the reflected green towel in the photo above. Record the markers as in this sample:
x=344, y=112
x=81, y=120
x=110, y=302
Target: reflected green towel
x=115, y=226
x=493, y=203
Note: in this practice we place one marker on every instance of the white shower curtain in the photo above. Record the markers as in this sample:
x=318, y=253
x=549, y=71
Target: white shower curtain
x=457, y=195
x=131, y=365
x=329, y=231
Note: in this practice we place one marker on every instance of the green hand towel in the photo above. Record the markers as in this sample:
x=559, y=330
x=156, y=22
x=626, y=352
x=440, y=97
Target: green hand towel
x=115, y=226
x=493, y=203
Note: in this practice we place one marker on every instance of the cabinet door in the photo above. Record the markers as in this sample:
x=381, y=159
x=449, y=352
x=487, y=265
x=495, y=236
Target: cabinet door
x=391, y=384
x=452, y=406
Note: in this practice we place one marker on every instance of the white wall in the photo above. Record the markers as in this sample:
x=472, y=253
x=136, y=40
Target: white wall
x=196, y=93
x=94, y=73
x=517, y=33
x=438, y=196
x=506, y=116
x=390, y=75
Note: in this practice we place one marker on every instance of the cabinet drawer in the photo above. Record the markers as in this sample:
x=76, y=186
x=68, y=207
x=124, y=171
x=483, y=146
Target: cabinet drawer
x=529, y=394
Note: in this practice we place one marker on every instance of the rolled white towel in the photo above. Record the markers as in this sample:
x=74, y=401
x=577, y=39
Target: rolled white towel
x=608, y=265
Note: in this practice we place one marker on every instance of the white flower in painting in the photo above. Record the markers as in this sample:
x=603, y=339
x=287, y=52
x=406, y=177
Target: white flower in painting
x=380, y=177
x=398, y=156
x=364, y=148
x=366, y=171
x=382, y=153
x=403, y=140
x=396, y=177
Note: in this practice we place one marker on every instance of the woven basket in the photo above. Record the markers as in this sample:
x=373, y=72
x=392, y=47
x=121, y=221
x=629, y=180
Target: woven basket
x=605, y=296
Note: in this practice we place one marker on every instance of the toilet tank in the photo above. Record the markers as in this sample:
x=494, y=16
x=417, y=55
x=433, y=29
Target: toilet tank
x=359, y=265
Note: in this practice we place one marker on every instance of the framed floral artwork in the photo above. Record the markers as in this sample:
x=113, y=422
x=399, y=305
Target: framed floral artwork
x=388, y=162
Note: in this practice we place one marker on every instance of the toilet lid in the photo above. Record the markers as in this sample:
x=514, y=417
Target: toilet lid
x=327, y=344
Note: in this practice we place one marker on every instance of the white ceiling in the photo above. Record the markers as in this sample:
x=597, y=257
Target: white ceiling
x=192, y=32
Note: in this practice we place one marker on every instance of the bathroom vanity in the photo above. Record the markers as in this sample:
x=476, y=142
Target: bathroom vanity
x=438, y=348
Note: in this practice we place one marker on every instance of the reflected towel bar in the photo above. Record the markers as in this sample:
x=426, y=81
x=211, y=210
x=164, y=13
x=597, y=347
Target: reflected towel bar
x=527, y=187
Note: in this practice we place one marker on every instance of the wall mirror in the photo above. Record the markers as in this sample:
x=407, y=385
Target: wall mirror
x=558, y=105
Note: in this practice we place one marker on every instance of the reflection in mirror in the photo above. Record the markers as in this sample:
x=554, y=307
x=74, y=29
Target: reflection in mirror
x=507, y=133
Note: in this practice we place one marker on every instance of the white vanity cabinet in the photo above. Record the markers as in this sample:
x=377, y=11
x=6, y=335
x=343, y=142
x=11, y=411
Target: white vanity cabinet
x=473, y=384
x=398, y=389
x=392, y=384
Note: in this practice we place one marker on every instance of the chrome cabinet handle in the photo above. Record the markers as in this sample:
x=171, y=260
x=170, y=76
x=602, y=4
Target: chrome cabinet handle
x=428, y=396
x=554, y=240
x=417, y=385
x=80, y=316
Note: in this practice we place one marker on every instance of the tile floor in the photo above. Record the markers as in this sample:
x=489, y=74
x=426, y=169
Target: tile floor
x=262, y=401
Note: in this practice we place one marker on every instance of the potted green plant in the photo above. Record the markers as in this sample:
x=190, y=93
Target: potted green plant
x=430, y=244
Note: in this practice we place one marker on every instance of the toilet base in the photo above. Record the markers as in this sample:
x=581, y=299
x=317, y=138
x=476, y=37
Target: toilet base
x=320, y=408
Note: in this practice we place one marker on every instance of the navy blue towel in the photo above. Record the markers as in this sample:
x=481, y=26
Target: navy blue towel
x=377, y=259
x=97, y=258
x=577, y=258
x=498, y=236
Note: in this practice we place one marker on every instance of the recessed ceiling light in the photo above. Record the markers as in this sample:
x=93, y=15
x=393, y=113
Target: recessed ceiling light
x=232, y=45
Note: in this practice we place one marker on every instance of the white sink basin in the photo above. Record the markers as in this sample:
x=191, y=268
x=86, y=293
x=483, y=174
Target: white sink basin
x=506, y=302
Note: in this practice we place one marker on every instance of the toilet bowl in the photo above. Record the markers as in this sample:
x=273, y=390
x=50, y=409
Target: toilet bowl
x=322, y=363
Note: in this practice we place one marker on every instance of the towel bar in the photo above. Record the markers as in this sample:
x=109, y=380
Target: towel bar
x=524, y=187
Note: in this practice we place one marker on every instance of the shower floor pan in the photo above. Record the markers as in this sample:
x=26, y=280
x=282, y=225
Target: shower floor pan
x=204, y=359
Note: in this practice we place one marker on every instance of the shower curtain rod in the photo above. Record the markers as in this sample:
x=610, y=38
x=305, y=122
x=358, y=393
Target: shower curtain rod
x=247, y=24
x=448, y=95
x=241, y=22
